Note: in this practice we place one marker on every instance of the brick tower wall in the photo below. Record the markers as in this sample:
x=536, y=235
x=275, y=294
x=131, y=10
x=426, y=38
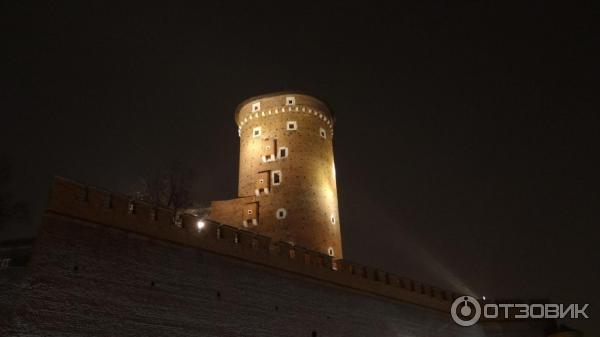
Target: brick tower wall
x=300, y=205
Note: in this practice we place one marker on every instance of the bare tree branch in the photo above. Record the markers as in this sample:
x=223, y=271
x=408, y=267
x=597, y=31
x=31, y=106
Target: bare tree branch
x=170, y=188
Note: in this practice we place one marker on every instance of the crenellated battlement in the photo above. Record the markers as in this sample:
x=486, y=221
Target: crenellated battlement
x=87, y=203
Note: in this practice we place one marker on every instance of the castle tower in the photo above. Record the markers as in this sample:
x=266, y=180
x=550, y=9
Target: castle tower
x=287, y=188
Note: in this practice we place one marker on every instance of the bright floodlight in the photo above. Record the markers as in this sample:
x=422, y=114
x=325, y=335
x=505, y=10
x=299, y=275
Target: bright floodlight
x=200, y=224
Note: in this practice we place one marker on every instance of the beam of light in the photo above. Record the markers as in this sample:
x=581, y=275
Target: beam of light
x=427, y=259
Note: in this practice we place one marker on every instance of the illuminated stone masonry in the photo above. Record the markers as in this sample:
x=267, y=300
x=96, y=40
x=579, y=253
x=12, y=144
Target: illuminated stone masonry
x=283, y=109
x=87, y=203
x=106, y=265
x=287, y=186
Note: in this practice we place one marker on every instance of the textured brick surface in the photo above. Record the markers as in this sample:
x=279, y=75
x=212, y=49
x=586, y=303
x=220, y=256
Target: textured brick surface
x=308, y=187
x=75, y=200
x=11, y=284
x=91, y=280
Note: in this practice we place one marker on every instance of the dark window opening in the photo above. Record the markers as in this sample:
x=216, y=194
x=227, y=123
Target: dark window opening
x=131, y=207
x=283, y=152
x=330, y=251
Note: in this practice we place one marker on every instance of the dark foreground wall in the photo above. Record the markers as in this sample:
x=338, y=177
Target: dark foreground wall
x=91, y=280
x=14, y=257
x=12, y=281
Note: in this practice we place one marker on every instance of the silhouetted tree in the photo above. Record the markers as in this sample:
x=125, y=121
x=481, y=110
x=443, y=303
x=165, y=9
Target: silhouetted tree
x=10, y=211
x=170, y=188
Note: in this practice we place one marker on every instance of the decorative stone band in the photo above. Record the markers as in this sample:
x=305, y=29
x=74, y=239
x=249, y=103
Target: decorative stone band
x=76, y=201
x=285, y=109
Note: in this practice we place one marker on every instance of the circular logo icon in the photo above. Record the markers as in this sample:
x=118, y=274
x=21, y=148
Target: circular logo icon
x=465, y=311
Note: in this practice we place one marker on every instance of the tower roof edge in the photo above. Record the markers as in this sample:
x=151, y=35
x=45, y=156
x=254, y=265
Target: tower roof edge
x=282, y=93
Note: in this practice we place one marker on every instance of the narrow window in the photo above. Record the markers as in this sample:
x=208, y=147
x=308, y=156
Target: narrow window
x=290, y=100
x=249, y=212
x=256, y=132
x=333, y=219
x=255, y=106
x=250, y=222
x=292, y=125
x=330, y=251
x=283, y=152
x=131, y=207
x=276, y=177
x=323, y=133
x=178, y=220
x=281, y=213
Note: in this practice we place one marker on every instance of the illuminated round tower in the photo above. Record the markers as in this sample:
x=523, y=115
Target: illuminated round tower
x=287, y=187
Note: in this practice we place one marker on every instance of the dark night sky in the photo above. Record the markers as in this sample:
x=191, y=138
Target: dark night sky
x=466, y=136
